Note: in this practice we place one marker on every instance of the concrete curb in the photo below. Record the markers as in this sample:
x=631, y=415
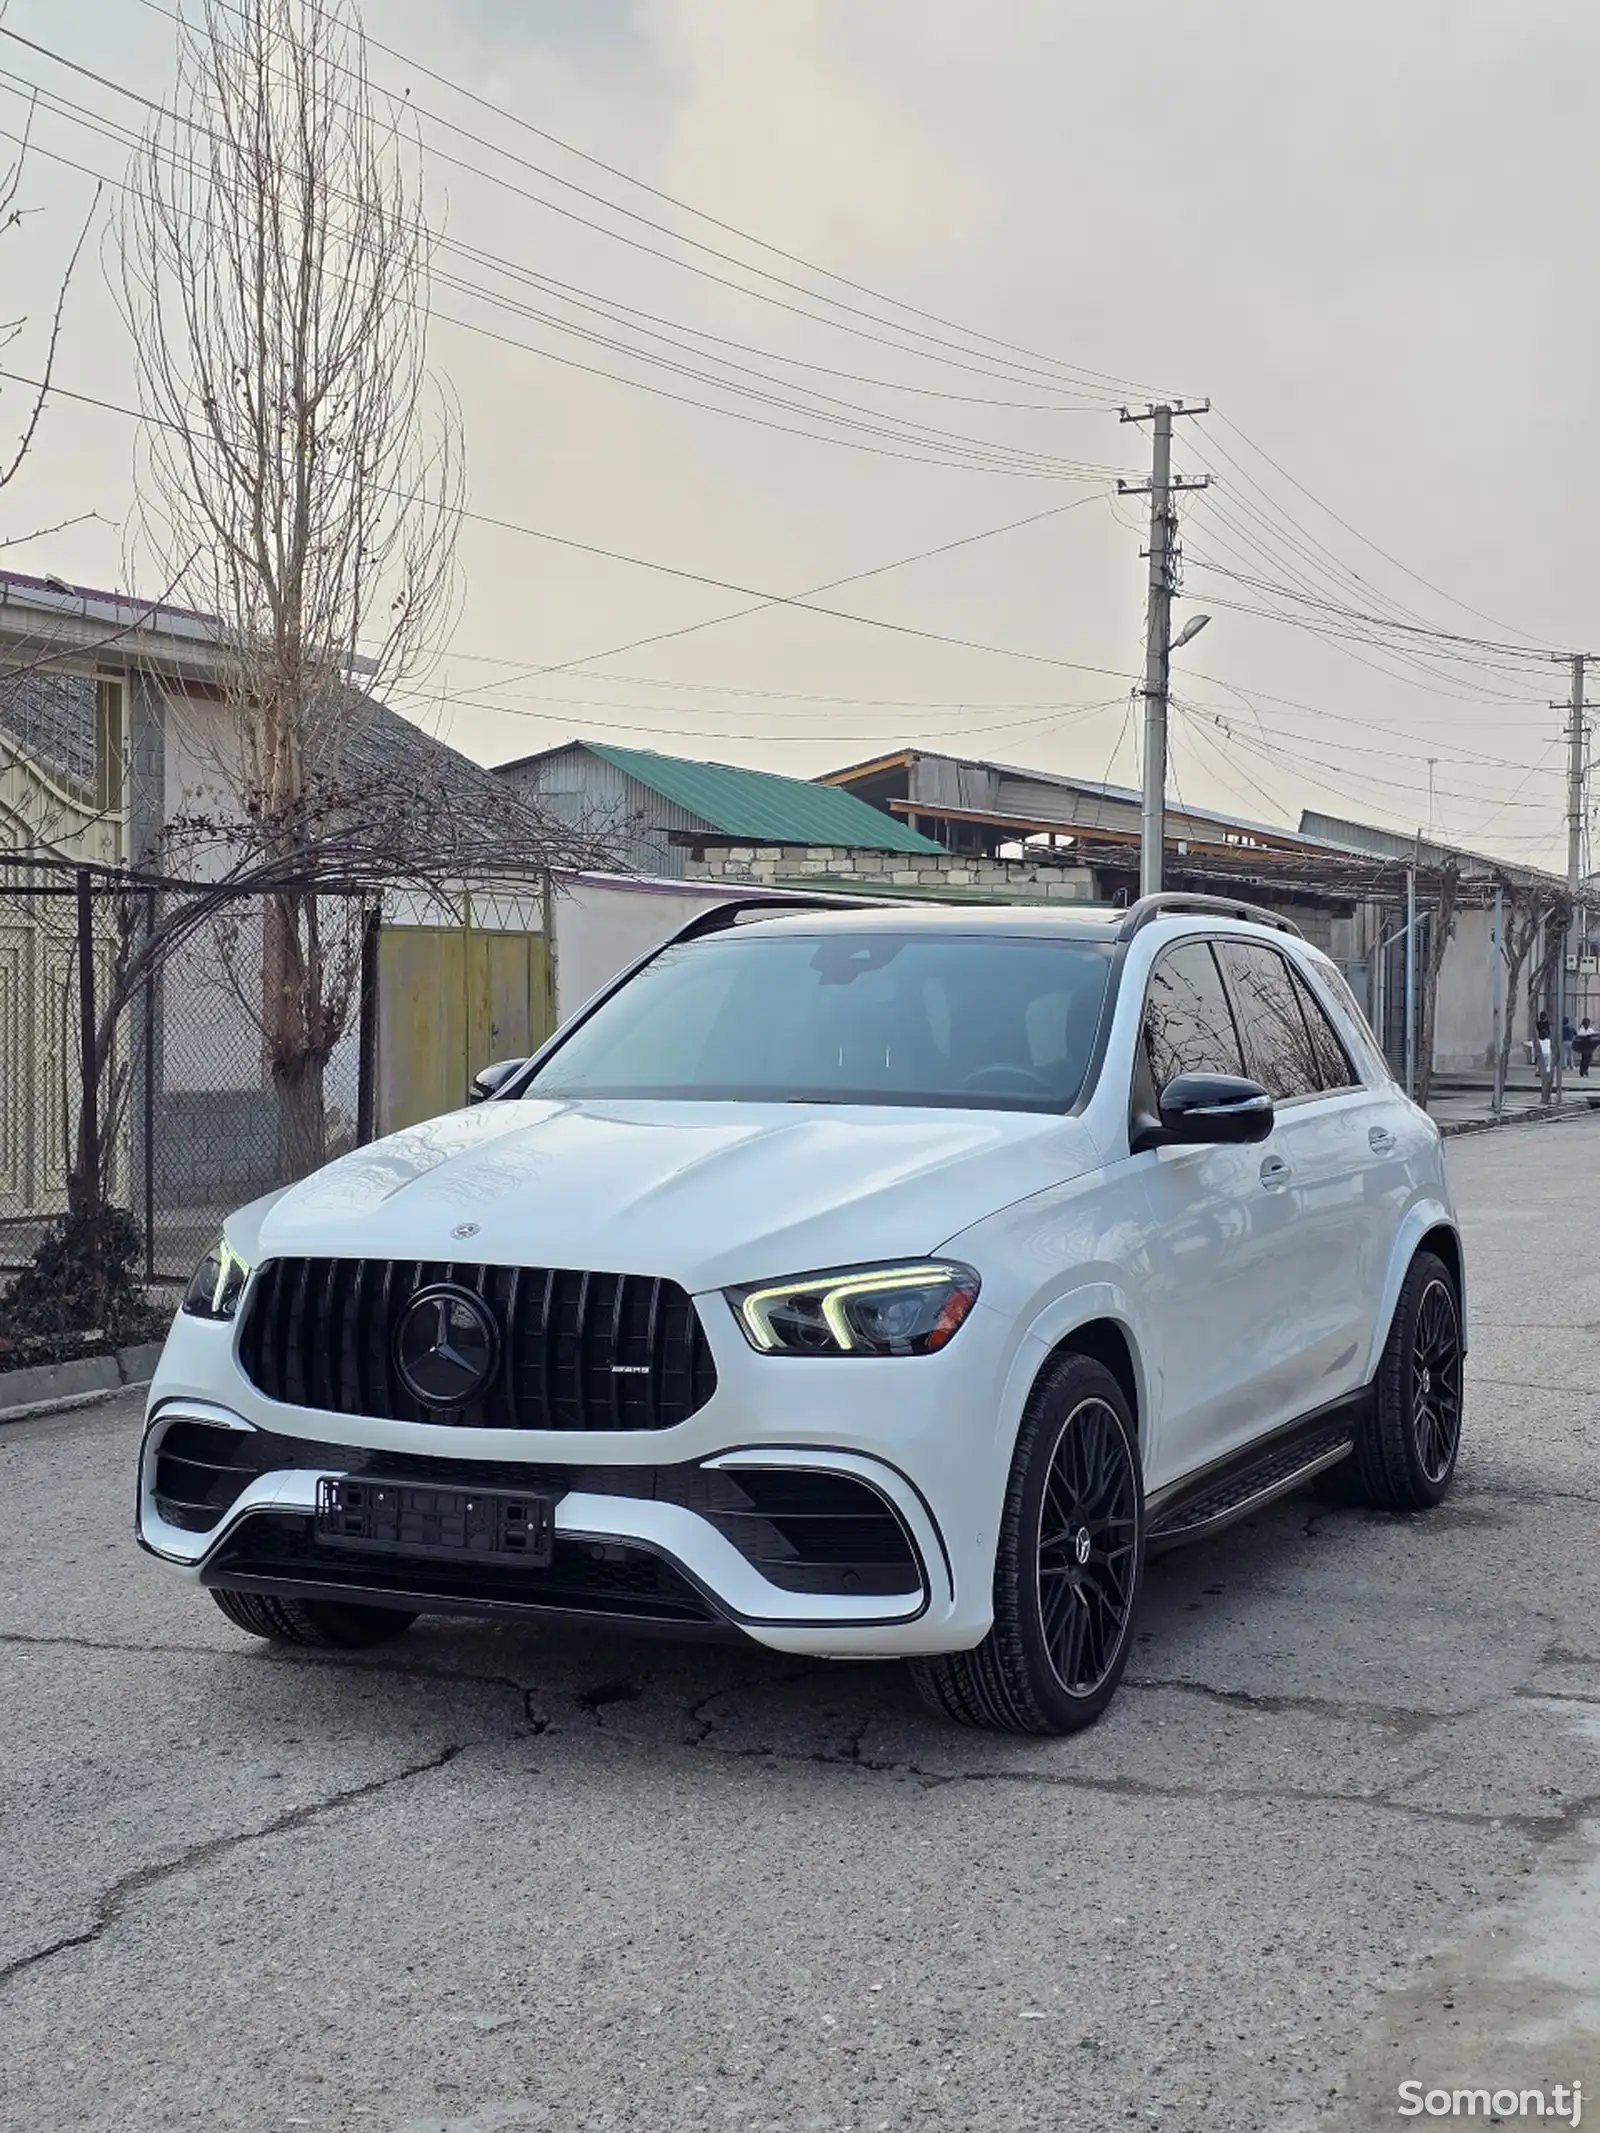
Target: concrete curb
x=51, y=1388
x=1569, y=1107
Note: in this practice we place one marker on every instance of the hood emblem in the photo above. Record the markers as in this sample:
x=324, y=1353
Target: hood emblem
x=446, y=1346
x=465, y=1229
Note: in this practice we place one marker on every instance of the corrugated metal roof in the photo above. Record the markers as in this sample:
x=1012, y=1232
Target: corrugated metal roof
x=762, y=807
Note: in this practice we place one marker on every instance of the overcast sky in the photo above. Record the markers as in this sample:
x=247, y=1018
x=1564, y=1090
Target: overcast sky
x=1363, y=231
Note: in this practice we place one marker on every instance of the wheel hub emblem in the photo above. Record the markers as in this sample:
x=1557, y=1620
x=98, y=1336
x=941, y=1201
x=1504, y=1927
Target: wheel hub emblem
x=1080, y=1546
x=1427, y=1382
x=446, y=1345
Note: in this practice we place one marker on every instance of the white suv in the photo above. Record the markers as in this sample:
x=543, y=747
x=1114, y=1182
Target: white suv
x=872, y=1281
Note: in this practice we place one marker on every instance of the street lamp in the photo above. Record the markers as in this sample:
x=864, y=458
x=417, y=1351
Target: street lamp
x=1152, y=825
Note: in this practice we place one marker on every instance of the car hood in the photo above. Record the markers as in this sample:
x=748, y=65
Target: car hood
x=705, y=1193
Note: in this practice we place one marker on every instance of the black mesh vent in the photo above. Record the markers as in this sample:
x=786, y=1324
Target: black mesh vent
x=810, y=1532
x=200, y=1470
x=578, y=1351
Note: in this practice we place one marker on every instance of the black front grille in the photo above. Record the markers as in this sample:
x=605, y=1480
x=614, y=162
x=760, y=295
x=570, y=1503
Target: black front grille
x=578, y=1351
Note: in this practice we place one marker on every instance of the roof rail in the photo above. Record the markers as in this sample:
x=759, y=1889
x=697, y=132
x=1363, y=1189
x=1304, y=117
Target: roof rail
x=722, y=916
x=1149, y=908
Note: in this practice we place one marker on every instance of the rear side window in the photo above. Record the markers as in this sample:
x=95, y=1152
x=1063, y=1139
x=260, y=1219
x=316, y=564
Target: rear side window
x=1366, y=1043
x=1188, y=1024
x=1275, y=1029
x=1333, y=1062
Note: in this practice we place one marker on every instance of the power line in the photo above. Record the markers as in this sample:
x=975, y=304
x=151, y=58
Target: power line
x=1336, y=610
x=949, y=448
x=1299, y=755
x=616, y=555
x=833, y=739
x=1100, y=378
x=587, y=222
x=1366, y=542
x=925, y=555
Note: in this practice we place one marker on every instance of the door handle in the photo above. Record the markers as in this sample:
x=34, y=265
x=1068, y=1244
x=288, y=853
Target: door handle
x=1380, y=1140
x=1274, y=1172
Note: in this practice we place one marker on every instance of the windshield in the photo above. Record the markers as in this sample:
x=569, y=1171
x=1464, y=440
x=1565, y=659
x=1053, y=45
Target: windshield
x=975, y=1021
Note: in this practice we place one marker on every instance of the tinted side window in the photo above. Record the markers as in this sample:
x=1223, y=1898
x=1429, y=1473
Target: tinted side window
x=1188, y=1024
x=1366, y=1043
x=1333, y=1064
x=1274, y=1027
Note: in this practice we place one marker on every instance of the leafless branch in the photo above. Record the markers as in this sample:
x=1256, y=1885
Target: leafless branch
x=274, y=267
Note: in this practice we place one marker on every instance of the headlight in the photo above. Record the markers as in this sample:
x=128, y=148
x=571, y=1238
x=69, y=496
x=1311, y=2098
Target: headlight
x=217, y=1283
x=877, y=1310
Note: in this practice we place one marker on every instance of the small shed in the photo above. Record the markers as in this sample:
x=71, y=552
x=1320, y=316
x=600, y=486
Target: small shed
x=655, y=813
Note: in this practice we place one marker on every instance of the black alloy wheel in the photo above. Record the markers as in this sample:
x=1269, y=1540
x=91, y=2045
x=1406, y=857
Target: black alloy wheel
x=1436, y=1369
x=1088, y=1534
x=1068, y=1566
x=1407, y=1443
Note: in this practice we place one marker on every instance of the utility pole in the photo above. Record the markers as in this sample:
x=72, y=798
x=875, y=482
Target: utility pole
x=1163, y=554
x=1577, y=740
x=1575, y=754
x=1411, y=971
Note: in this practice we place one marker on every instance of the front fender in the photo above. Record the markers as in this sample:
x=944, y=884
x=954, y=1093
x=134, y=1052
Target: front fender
x=1053, y=1323
x=1426, y=1214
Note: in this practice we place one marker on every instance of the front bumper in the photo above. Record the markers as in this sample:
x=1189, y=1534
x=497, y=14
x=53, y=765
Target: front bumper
x=639, y=1539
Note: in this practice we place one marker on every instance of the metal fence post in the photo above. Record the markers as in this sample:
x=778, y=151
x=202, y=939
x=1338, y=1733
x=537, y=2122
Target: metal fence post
x=86, y=1157
x=1497, y=943
x=367, y=1033
x=1411, y=982
x=151, y=1067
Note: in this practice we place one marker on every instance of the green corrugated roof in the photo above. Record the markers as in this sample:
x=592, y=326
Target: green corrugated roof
x=760, y=807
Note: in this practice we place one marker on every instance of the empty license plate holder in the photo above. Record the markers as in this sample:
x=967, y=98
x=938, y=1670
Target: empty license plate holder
x=413, y=1518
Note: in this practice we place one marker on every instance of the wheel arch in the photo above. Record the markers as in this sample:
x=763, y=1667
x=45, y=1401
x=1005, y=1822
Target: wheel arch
x=1106, y=1341
x=1429, y=1227
x=1444, y=1243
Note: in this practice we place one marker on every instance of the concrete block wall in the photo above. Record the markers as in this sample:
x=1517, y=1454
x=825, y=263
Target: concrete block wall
x=761, y=865
x=214, y=1147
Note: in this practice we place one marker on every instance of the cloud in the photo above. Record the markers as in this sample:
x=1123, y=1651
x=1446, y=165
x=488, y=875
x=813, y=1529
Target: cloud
x=775, y=117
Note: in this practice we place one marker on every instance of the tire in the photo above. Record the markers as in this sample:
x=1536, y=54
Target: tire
x=328, y=1624
x=1068, y=1567
x=1409, y=1440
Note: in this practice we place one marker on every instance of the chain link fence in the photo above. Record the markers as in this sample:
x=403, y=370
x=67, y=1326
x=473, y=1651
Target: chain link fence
x=188, y=1118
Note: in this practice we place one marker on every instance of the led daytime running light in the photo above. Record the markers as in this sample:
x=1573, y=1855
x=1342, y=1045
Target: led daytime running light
x=231, y=1271
x=225, y=1277
x=835, y=1295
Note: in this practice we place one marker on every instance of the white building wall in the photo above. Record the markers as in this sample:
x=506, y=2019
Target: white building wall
x=1463, y=1031
x=603, y=923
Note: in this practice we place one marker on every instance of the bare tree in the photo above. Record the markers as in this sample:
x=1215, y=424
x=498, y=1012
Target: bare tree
x=12, y=331
x=300, y=476
x=1532, y=922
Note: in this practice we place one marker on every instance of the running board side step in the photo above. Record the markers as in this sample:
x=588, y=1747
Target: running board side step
x=1207, y=1502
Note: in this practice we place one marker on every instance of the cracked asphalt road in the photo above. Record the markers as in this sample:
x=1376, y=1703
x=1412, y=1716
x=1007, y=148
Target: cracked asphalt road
x=1341, y=1829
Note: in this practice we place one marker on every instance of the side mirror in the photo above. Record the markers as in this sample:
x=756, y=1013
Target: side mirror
x=490, y=1080
x=1207, y=1109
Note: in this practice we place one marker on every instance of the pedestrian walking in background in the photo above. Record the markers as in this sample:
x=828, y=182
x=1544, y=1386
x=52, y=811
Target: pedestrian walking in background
x=1569, y=1037
x=1541, y=1030
x=1583, y=1043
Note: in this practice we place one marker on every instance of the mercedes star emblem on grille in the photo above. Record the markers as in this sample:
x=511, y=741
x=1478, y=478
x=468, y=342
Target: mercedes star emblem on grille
x=446, y=1345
